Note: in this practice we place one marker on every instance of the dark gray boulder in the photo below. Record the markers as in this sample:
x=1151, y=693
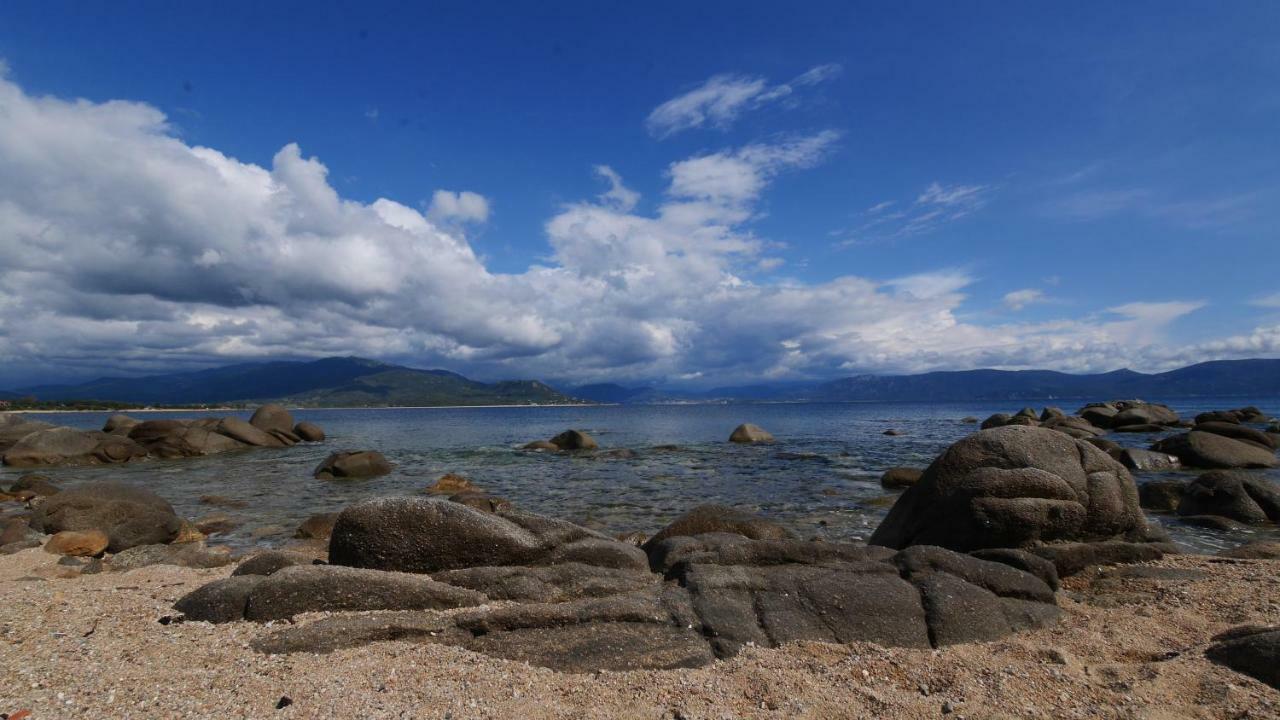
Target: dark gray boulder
x=747, y=433
x=1210, y=450
x=997, y=420
x=309, y=432
x=352, y=464
x=1099, y=415
x=574, y=440
x=327, y=588
x=1239, y=496
x=427, y=535
x=128, y=515
x=220, y=601
x=1015, y=487
x=1253, y=651
x=1072, y=558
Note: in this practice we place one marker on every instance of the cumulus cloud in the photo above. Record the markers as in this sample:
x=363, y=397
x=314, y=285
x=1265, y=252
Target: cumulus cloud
x=122, y=248
x=1019, y=299
x=722, y=98
x=462, y=206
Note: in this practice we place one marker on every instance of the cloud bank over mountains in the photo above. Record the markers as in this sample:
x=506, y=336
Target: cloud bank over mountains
x=124, y=249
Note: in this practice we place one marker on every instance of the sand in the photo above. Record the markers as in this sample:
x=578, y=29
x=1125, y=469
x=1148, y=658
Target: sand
x=93, y=647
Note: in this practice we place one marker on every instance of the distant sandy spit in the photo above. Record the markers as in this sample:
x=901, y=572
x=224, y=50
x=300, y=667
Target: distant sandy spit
x=1127, y=647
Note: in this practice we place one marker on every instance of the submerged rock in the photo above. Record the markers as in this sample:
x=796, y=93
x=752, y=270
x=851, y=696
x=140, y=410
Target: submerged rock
x=1161, y=495
x=747, y=433
x=574, y=440
x=900, y=477
x=40, y=485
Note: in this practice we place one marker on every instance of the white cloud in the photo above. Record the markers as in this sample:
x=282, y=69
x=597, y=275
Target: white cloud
x=935, y=207
x=462, y=206
x=722, y=98
x=122, y=248
x=1019, y=299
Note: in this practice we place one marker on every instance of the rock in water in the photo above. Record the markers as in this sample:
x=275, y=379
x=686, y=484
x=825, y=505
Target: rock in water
x=1236, y=495
x=38, y=484
x=748, y=433
x=1210, y=450
x=317, y=527
x=237, y=429
x=128, y=515
x=353, y=464
x=309, y=432
x=450, y=484
x=272, y=418
x=1161, y=495
x=1016, y=487
x=1148, y=460
x=574, y=440
x=900, y=477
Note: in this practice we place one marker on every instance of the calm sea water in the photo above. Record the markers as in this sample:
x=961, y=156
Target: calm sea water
x=821, y=478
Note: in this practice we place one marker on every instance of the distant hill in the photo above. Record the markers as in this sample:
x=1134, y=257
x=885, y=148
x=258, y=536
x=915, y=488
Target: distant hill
x=331, y=382
x=1241, y=378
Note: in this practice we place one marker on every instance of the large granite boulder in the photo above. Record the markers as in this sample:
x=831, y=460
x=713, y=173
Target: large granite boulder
x=1214, y=451
x=1139, y=413
x=1236, y=431
x=1016, y=487
x=129, y=515
x=1239, y=496
x=1099, y=415
x=247, y=433
x=308, y=432
x=15, y=427
x=426, y=535
x=353, y=464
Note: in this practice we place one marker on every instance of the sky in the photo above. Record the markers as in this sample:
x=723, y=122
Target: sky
x=682, y=194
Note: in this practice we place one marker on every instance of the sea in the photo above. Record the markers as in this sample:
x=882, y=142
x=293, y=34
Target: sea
x=821, y=477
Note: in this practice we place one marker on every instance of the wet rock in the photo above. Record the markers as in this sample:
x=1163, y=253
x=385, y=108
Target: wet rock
x=191, y=555
x=617, y=454
x=128, y=515
x=721, y=519
x=272, y=418
x=900, y=477
x=1210, y=450
x=1225, y=416
x=1015, y=487
x=1161, y=495
x=891, y=432
x=1239, y=496
x=309, y=432
x=1050, y=413
x=429, y=535
x=450, y=484
x=222, y=501
x=317, y=527
x=747, y=433
x=574, y=440
x=353, y=464
x=78, y=543
x=1255, y=550
x=969, y=420
x=38, y=484
x=1254, y=652
x=269, y=561
x=216, y=524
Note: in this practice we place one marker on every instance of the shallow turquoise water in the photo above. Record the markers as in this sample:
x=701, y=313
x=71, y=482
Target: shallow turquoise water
x=819, y=478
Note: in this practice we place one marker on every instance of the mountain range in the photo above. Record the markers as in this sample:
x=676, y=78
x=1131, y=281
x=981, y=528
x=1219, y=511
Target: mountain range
x=358, y=382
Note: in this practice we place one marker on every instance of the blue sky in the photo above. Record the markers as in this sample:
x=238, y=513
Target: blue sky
x=803, y=192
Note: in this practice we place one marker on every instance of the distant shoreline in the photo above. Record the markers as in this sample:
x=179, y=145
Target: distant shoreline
x=297, y=408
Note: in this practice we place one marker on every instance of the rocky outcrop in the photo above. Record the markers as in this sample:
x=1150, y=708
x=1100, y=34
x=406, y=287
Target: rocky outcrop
x=1239, y=496
x=747, y=433
x=15, y=427
x=1252, y=650
x=1017, y=487
x=128, y=515
x=1214, y=451
x=124, y=439
x=353, y=464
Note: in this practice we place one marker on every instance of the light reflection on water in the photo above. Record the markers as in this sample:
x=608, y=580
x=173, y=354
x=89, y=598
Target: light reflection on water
x=821, y=478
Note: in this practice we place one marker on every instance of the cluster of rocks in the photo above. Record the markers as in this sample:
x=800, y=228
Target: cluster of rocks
x=1219, y=499
x=1093, y=420
x=124, y=439
x=1222, y=440
x=709, y=584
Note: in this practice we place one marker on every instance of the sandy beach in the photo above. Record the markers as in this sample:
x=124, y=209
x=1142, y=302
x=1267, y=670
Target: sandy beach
x=93, y=646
